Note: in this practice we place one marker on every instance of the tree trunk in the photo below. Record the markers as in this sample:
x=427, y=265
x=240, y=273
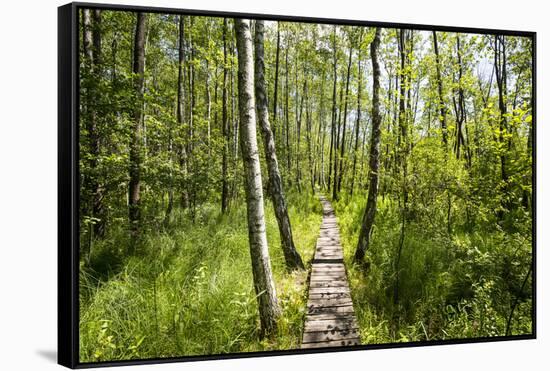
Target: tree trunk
x=403, y=147
x=225, y=124
x=321, y=135
x=276, y=83
x=191, y=164
x=461, y=105
x=374, y=155
x=333, y=112
x=500, y=73
x=287, y=113
x=98, y=187
x=343, y=147
x=180, y=112
x=261, y=265
x=309, y=140
x=292, y=257
x=337, y=144
x=442, y=109
x=138, y=69
x=357, y=121
x=92, y=54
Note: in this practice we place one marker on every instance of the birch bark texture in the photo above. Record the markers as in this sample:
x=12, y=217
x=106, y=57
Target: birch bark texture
x=257, y=238
x=292, y=257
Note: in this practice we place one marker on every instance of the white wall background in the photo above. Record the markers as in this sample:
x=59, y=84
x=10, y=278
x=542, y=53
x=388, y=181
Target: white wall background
x=28, y=155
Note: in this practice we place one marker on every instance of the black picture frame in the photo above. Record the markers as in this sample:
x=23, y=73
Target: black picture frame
x=68, y=181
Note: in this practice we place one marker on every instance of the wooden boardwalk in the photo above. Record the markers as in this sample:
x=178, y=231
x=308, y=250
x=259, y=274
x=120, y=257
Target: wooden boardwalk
x=330, y=319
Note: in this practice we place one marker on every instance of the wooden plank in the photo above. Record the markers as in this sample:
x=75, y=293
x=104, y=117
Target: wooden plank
x=329, y=265
x=327, y=250
x=329, y=290
x=327, y=272
x=316, y=303
x=334, y=343
x=329, y=254
x=324, y=336
x=337, y=310
x=334, y=324
x=326, y=280
x=332, y=316
x=327, y=284
x=330, y=240
x=329, y=296
x=320, y=270
x=329, y=278
x=316, y=289
x=321, y=303
x=329, y=275
x=330, y=326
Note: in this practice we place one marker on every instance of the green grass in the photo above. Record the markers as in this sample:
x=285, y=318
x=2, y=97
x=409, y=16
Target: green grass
x=190, y=291
x=458, y=285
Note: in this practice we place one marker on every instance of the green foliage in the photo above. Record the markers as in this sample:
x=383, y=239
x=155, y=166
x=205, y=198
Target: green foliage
x=451, y=245
x=461, y=284
x=190, y=291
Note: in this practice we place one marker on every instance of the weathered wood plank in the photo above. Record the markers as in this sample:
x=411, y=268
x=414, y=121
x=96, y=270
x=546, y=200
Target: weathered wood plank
x=328, y=290
x=328, y=275
x=322, y=284
x=334, y=343
x=321, y=303
x=329, y=296
x=336, y=310
x=330, y=325
x=325, y=257
x=328, y=279
x=330, y=335
x=329, y=265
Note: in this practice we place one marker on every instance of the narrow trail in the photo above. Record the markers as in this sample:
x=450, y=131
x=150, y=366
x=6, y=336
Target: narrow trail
x=330, y=319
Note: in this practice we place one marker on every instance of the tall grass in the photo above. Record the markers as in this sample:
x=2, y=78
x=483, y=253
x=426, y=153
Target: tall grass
x=460, y=284
x=190, y=289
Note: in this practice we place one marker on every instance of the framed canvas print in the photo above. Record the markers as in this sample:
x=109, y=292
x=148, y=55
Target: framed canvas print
x=236, y=185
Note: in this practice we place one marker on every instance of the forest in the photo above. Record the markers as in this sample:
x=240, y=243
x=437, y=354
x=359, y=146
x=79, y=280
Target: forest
x=205, y=147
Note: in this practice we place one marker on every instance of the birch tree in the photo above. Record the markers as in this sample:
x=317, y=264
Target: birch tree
x=261, y=264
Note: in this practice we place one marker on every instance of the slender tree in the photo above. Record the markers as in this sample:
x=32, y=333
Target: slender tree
x=404, y=38
x=134, y=209
x=358, y=117
x=93, y=208
x=261, y=264
x=374, y=155
x=344, y=123
x=287, y=111
x=276, y=83
x=292, y=257
x=333, y=138
x=501, y=79
x=441, y=103
x=225, y=124
x=180, y=112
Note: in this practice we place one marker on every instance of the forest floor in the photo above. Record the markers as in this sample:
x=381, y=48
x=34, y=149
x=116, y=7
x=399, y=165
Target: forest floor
x=190, y=291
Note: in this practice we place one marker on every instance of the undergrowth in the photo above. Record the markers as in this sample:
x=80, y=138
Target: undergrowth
x=189, y=290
